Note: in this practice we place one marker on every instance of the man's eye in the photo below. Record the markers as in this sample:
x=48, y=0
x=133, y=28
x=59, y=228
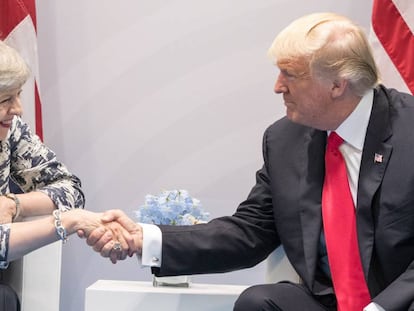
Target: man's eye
x=288, y=74
x=5, y=101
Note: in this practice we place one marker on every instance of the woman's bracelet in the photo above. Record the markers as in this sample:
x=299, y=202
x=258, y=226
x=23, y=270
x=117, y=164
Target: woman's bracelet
x=16, y=200
x=60, y=230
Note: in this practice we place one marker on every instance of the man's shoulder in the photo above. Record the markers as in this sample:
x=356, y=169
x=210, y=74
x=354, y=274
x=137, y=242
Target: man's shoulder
x=285, y=127
x=395, y=98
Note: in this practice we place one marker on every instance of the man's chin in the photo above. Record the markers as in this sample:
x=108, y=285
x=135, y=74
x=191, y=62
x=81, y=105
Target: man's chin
x=296, y=119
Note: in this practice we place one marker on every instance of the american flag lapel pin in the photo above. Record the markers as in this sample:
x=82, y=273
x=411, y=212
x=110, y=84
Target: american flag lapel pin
x=378, y=158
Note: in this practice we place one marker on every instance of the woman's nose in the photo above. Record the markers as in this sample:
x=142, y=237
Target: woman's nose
x=16, y=107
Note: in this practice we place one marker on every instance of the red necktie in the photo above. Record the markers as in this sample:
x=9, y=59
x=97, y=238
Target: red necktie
x=339, y=224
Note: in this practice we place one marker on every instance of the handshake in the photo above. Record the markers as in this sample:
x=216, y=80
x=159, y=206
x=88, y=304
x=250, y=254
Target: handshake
x=112, y=234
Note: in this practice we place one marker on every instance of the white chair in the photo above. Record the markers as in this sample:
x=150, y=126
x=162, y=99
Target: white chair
x=36, y=278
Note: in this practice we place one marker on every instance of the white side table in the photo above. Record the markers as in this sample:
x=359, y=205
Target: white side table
x=108, y=295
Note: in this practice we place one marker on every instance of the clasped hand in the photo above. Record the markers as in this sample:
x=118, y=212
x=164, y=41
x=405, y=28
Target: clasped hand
x=117, y=237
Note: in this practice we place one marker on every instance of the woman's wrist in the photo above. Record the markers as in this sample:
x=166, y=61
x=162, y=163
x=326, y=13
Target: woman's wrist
x=60, y=229
x=79, y=219
x=13, y=205
x=69, y=220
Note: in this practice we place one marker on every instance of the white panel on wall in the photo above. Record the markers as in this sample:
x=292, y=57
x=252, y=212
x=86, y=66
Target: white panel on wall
x=140, y=96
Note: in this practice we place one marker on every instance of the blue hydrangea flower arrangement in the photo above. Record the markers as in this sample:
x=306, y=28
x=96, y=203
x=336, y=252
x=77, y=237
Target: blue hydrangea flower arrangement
x=171, y=207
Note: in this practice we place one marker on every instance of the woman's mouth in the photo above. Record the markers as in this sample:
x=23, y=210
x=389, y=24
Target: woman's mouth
x=6, y=123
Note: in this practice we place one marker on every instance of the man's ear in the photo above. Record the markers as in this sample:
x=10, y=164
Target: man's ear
x=339, y=87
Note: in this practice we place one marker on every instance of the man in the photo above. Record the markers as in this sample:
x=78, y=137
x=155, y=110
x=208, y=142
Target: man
x=329, y=82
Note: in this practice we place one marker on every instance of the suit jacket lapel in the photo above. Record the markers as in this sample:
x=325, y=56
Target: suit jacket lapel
x=310, y=190
x=371, y=173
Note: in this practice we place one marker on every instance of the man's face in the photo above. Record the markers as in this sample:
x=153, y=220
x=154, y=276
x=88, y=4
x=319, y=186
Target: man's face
x=9, y=107
x=307, y=99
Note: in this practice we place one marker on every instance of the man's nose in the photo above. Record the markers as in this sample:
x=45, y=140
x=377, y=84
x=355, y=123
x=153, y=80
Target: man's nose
x=280, y=85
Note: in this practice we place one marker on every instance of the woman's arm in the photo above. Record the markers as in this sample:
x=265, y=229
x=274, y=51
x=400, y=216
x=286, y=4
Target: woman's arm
x=35, y=168
x=27, y=236
x=14, y=207
x=18, y=239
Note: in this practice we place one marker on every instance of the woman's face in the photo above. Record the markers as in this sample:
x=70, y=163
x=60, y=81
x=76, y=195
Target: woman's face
x=10, y=106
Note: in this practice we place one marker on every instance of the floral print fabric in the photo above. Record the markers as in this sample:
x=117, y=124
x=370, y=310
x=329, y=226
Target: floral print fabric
x=30, y=165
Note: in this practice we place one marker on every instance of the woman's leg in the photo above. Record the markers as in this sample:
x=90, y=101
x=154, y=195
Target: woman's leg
x=8, y=299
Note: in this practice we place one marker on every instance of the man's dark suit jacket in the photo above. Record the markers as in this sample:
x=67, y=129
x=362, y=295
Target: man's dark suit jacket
x=284, y=207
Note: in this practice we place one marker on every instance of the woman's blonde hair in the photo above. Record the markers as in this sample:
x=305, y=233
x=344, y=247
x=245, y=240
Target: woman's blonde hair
x=14, y=71
x=333, y=47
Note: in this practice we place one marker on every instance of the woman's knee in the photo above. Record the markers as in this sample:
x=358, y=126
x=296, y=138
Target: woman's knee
x=8, y=298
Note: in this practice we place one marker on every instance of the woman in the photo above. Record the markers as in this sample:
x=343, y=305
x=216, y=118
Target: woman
x=46, y=187
x=44, y=182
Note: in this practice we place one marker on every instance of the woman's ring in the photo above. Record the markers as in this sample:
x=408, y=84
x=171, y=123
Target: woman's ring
x=117, y=246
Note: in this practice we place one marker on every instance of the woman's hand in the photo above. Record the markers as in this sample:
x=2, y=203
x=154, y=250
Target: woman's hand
x=7, y=209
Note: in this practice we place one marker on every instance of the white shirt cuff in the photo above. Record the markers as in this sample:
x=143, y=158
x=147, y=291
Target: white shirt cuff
x=151, y=246
x=373, y=307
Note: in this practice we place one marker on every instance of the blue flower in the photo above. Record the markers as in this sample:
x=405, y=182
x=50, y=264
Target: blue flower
x=171, y=207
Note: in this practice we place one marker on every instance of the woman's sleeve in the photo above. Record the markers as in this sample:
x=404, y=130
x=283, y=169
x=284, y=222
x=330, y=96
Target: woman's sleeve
x=4, y=245
x=34, y=167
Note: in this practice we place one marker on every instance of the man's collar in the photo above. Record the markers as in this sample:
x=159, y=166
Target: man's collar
x=354, y=128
